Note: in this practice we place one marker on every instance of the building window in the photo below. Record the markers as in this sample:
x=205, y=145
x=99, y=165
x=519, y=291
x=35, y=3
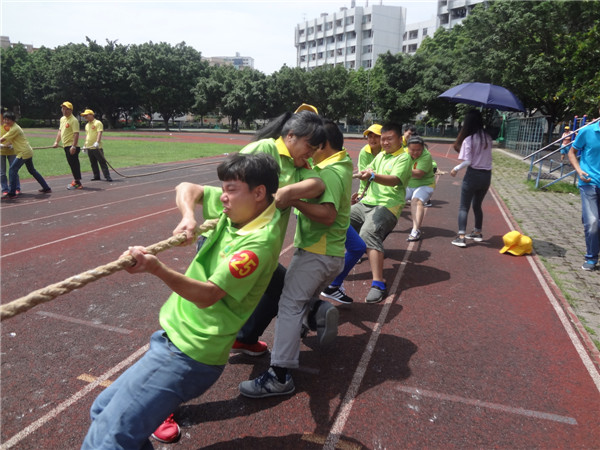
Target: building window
x=303, y=46
x=349, y=20
x=328, y=25
x=412, y=48
x=303, y=58
x=330, y=53
x=404, y=36
x=367, y=49
x=367, y=64
x=320, y=41
x=351, y=35
x=313, y=57
x=413, y=34
x=340, y=52
x=301, y=32
x=311, y=30
x=340, y=37
x=351, y=50
x=319, y=28
x=404, y=49
x=366, y=18
x=338, y=23
x=330, y=40
x=350, y=65
x=424, y=31
x=312, y=44
x=367, y=34
x=320, y=55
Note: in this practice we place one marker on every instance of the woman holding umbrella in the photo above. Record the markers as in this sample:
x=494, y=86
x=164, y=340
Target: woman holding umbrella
x=474, y=145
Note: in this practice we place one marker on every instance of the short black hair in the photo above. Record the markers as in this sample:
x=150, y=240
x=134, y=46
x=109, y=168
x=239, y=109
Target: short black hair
x=392, y=126
x=9, y=115
x=410, y=127
x=252, y=169
x=415, y=140
x=335, y=137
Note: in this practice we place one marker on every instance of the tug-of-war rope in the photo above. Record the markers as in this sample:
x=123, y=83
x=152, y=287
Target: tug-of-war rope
x=52, y=291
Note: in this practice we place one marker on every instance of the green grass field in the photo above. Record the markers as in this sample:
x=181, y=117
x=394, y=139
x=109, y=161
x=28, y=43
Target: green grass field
x=119, y=153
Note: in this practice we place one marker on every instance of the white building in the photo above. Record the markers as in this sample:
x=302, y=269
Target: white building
x=453, y=12
x=237, y=61
x=415, y=33
x=352, y=37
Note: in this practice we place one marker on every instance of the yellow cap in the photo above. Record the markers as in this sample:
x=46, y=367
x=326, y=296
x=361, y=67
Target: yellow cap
x=516, y=243
x=375, y=129
x=306, y=107
x=68, y=105
x=87, y=111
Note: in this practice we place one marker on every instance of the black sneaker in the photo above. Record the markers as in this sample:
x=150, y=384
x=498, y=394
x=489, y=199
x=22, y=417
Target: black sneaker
x=337, y=293
x=459, y=242
x=475, y=235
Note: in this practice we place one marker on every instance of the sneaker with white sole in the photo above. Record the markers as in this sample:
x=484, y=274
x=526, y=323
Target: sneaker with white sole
x=459, y=242
x=257, y=349
x=267, y=385
x=168, y=431
x=475, y=235
x=375, y=295
x=589, y=265
x=327, y=318
x=337, y=293
x=414, y=235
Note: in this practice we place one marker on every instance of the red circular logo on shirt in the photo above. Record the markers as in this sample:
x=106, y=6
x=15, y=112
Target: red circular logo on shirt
x=93, y=127
x=6, y=128
x=243, y=263
x=67, y=126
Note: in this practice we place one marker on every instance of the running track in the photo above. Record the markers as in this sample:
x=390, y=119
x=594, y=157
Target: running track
x=471, y=349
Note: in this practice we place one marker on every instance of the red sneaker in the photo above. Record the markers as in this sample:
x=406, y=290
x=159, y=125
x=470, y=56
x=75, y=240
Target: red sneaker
x=257, y=349
x=168, y=431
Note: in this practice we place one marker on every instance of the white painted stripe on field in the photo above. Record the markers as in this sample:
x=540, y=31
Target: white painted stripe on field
x=87, y=323
x=73, y=399
x=348, y=402
x=87, y=232
x=481, y=404
x=558, y=308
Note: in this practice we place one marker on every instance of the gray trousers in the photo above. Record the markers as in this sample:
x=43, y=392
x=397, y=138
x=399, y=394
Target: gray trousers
x=307, y=275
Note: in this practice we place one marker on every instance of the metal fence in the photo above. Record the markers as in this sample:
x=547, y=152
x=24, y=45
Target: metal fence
x=524, y=135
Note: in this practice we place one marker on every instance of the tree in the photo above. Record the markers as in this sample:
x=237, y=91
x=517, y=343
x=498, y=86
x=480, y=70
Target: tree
x=164, y=76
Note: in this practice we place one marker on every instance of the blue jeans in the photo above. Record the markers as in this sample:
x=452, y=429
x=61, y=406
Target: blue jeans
x=126, y=413
x=355, y=248
x=474, y=187
x=590, y=212
x=14, y=172
x=3, y=177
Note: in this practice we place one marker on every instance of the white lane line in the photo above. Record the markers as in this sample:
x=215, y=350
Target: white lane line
x=558, y=308
x=348, y=402
x=74, y=398
x=87, y=232
x=481, y=404
x=88, y=323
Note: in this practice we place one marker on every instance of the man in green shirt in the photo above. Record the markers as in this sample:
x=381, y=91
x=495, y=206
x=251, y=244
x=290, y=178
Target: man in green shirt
x=208, y=306
x=319, y=257
x=376, y=215
x=421, y=185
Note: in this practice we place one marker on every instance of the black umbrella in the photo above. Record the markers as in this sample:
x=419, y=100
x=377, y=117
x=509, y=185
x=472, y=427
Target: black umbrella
x=485, y=95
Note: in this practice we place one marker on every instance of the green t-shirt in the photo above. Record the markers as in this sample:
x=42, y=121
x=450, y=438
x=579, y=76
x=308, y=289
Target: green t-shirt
x=239, y=261
x=315, y=237
x=365, y=157
x=424, y=163
x=289, y=173
x=392, y=197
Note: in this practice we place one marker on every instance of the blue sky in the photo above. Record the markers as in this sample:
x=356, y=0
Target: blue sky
x=262, y=29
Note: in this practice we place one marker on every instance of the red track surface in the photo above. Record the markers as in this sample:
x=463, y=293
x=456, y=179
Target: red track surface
x=471, y=349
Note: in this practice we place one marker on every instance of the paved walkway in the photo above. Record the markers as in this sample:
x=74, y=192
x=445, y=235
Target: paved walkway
x=553, y=221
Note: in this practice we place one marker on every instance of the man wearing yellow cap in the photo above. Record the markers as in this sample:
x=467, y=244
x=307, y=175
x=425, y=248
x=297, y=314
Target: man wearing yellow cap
x=567, y=139
x=93, y=144
x=368, y=154
x=69, y=133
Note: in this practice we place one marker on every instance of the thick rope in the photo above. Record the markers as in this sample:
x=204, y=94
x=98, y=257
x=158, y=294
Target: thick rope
x=78, y=281
x=151, y=173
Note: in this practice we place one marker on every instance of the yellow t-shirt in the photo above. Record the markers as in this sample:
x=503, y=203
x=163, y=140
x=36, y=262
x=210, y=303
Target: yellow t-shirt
x=5, y=151
x=16, y=137
x=92, y=129
x=68, y=127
